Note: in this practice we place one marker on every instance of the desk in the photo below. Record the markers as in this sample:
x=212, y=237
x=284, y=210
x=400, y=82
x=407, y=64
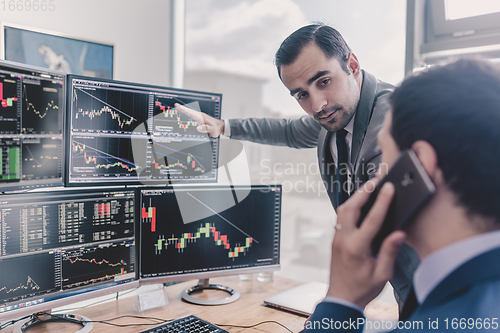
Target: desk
x=247, y=310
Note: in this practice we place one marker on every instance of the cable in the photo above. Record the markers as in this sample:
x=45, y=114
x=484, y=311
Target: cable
x=161, y=321
x=12, y=322
x=158, y=321
x=107, y=321
x=252, y=326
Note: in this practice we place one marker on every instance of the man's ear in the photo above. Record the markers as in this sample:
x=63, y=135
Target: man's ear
x=427, y=156
x=353, y=65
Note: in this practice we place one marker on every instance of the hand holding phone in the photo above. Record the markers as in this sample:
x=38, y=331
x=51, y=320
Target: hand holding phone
x=414, y=189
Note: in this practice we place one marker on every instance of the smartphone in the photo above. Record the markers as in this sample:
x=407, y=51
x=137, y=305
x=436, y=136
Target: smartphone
x=414, y=189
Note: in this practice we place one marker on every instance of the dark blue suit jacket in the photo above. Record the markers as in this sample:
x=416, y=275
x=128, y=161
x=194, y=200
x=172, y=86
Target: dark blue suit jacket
x=471, y=291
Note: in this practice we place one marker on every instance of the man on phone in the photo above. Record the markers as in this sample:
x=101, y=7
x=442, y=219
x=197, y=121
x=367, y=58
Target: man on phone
x=449, y=116
x=345, y=108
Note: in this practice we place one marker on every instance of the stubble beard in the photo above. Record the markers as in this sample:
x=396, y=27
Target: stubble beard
x=341, y=119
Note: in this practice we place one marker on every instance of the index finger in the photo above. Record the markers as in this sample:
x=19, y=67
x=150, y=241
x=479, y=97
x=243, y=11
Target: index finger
x=196, y=115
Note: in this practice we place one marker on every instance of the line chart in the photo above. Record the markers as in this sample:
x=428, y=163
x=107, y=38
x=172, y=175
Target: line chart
x=94, y=261
x=187, y=158
x=114, y=112
x=94, y=280
x=107, y=110
x=41, y=110
x=26, y=275
x=103, y=156
x=94, y=264
x=37, y=163
x=30, y=284
x=41, y=158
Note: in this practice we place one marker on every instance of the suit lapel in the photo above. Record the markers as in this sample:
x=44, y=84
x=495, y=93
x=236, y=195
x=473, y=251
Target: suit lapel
x=326, y=164
x=363, y=114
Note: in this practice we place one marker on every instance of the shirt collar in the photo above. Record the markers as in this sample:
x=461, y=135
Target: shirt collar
x=350, y=127
x=441, y=263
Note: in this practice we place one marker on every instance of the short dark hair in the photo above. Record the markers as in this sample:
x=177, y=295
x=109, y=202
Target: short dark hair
x=327, y=38
x=456, y=108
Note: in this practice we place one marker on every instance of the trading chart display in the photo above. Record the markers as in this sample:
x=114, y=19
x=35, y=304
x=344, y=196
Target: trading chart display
x=32, y=108
x=122, y=132
x=66, y=240
x=208, y=230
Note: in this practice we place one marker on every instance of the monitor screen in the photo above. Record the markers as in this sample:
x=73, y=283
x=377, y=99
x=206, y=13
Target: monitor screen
x=32, y=105
x=193, y=233
x=127, y=133
x=59, y=247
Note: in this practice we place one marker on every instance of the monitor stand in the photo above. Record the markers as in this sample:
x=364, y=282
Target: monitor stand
x=46, y=316
x=202, y=285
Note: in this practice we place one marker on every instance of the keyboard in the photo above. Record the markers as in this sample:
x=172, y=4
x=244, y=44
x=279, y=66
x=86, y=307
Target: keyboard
x=189, y=324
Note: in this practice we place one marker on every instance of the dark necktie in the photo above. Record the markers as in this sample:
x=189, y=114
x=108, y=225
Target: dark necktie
x=342, y=167
x=409, y=306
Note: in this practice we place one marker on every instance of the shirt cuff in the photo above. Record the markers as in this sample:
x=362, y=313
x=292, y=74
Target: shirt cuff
x=331, y=299
x=227, y=128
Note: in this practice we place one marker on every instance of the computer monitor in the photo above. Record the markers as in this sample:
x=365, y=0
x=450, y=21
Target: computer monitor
x=208, y=231
x=128, y=133
x=61, y=247
x=32, y=110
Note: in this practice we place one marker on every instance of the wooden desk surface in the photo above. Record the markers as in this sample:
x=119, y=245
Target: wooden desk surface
x=247, y=310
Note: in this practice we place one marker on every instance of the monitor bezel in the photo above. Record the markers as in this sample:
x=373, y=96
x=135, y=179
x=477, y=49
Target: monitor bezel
x=125, y=182
x=72, y=296
x=59, y=182
x=210, y=274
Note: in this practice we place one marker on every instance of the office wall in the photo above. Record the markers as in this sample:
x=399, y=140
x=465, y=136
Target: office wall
x=139, y=31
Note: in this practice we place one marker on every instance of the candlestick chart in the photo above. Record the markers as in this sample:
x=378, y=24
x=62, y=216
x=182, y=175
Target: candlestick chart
x=94, y=157
x=95, y=264
x=242, y=235
x=186, y=159
x=170, y=121
x=9, y=99
x=98, y=109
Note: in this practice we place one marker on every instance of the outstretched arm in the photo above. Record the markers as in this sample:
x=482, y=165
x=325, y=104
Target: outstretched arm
x=207, y=124
x=297, y=133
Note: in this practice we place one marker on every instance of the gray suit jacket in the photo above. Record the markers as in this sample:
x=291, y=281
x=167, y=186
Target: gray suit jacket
x=305, y=132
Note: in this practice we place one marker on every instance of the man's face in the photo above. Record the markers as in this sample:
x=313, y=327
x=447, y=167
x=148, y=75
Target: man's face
x=322, y=88
x=386, y=143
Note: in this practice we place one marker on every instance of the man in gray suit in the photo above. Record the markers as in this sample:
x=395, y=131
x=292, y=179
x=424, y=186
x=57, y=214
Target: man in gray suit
x=346, y=108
